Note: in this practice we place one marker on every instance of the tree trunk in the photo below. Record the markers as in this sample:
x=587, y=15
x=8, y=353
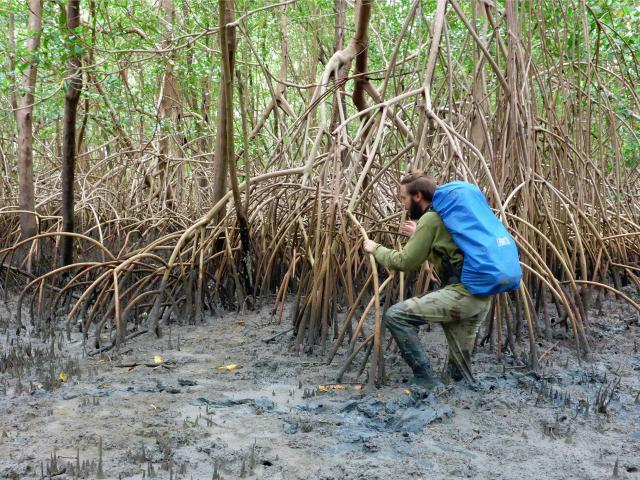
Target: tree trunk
x=24, y=119
x=11, y=62
x=226, y=146
x=361, y=43
x=342, y=59
x=71, y=98
x=227, y=48
x=340, y=10
x=479, y=88
x=278, y=99
x=169, y=108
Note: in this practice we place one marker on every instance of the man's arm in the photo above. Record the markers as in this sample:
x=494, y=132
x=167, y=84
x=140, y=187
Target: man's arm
x=414, y=253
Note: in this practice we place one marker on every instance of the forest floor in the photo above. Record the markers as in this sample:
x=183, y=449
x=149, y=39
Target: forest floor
x=267, y=418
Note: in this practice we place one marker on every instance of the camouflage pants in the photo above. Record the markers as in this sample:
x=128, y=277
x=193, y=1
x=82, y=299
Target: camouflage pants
x=459, y=314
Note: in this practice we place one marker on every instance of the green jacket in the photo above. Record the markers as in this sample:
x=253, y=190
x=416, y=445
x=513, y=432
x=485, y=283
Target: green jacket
x=431, y=241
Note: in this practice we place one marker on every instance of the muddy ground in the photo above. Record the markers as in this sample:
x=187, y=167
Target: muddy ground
x=181, y=416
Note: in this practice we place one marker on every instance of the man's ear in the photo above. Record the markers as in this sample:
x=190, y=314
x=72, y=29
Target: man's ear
x=417, y=197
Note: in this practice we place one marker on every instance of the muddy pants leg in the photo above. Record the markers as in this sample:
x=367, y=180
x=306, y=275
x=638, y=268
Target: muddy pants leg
x=461, y=337
x=447, y=306
x=403, y=325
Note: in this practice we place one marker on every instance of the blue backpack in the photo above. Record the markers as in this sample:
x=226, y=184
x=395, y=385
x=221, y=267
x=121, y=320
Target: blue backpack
x=491, y=263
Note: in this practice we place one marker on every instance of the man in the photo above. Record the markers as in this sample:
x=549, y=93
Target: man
x=458, y=311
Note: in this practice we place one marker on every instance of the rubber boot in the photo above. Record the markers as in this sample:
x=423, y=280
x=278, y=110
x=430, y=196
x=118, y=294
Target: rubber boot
x=412, y=353
x=425, y=380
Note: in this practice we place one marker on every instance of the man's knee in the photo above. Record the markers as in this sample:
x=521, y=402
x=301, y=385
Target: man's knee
x=392, y=314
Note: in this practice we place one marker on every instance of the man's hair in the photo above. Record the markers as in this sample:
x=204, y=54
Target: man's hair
x=419, y=182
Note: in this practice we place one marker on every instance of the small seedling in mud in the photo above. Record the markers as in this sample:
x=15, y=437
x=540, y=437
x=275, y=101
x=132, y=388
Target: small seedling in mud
x=53, y=468
x=252, y=458
x=167, y=466
x=100, y=473
x=605, y=395
x=216, y=475
x=555, y=430
x=567, y=400
x=539, y=397
x=139, y=457
x=615, y=469
x=150, y=471
x=601, y=426
x=582, y=407
x=569, y=438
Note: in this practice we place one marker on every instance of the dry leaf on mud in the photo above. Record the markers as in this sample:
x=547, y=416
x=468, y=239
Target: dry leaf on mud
x=158, y=359
x=62, y=377
x=327, y=388
x=229, y=368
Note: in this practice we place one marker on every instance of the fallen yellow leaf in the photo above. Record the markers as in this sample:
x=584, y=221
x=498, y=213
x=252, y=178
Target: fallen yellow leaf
x=62, y=377
x=158, y=359
x=103, y=385
x=407, y=391
x=327, y=388
x=229, y=368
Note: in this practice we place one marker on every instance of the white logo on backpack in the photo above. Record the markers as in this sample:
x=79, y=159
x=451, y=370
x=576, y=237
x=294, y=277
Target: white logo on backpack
x=503, y=241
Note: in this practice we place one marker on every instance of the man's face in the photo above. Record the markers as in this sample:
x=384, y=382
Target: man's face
x=405, y=198
x=411, y=203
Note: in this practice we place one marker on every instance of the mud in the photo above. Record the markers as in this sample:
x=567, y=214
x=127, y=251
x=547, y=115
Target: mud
x=221, y=401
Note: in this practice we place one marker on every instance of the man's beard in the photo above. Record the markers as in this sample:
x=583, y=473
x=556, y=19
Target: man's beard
x=415, y=211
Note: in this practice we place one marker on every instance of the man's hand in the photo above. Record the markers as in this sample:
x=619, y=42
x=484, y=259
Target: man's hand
x=369, y=246
x=408, y=228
